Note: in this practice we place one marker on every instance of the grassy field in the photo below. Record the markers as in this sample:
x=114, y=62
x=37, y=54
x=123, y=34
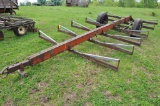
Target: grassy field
x=70, y=80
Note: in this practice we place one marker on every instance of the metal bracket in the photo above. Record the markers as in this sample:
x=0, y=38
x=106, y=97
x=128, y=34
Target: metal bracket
x=109, y=45
x=99, y=59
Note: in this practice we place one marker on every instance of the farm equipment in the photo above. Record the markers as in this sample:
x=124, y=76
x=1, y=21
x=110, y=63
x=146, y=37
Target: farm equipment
x=19, y=25
x=7, y=6
x=104, y=22
x=81, y=3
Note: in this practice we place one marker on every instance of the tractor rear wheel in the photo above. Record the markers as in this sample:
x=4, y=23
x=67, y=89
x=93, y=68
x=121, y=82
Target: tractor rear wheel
x=102, y=18
x=137, y=25
x=20, y=31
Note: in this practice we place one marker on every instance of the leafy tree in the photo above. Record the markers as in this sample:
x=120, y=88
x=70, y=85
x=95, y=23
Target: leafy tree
x=28, y=3
x=22, y=4
x=111, y=3
x=130, y=3
x=42, y=2
x=121, y=3
x=149, y=3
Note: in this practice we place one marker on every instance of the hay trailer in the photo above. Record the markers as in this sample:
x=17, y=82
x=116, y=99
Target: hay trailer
x=20, y=26
x=8, y=6
x=104, y=23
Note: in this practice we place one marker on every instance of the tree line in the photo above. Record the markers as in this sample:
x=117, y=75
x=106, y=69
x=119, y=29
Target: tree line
x=120, y=3
x=129, y=3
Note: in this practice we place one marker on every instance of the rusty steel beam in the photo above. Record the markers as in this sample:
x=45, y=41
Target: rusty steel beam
x=109, y=45
x=61, y=47
x=117, y=37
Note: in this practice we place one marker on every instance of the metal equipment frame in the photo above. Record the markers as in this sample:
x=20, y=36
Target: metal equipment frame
x=119, y=24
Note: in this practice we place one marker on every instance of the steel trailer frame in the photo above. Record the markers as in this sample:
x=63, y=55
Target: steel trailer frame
x=69, y=44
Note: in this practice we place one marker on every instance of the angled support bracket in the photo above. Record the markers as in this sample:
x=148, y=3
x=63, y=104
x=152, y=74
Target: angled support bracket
x=117, y=47
x=95, y=58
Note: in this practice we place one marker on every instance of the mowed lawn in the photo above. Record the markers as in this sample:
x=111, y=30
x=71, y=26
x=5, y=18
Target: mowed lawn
x=70, y=80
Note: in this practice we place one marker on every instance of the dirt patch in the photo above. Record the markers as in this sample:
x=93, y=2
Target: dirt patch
x=44, y=99
x=84, y=94
x=33, y=91
x=80, y=86
x=152, y=95
x=129, y=81
x=89, y=82
x=40, y=101
x=76, y=75
x=69, y=97
x=42, y=85
x=92, y=72
x=110, y=96
x=87, y=104
x=9, y=103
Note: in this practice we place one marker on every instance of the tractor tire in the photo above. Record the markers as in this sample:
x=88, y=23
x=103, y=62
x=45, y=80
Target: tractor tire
x=102, y=18
x=12, y=12
x=137, y=25
x=20, y=31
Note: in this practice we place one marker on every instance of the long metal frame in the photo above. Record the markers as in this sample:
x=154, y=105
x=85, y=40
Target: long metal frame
x=52, y=51
x=69, y=44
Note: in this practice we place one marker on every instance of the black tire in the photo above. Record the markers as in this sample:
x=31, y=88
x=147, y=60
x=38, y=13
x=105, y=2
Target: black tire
x=137, y=25
x=20, y=31
x=12, y=12
x=102, y=18
x=1, y=35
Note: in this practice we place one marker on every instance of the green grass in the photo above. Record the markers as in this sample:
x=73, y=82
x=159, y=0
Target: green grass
x=68, y=79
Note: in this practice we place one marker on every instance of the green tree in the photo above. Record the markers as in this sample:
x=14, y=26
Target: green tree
x=149, y=3
x=130, y=3
x=126, y=3
x=28, y=3
x=22, y=4
x=121, y=3
x=111, y=2
x=42, y=2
